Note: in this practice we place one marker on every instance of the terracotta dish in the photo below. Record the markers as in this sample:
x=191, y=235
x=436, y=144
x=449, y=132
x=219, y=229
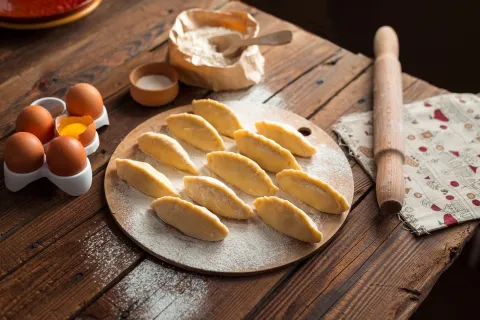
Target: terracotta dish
x=44, y=18
x=40, y=9
x=155, y=97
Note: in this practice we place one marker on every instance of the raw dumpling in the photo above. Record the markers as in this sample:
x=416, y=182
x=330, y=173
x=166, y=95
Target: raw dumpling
x=219, y=115
x=192, y=220
x=216, y=197
x=286, y=218
x=241, y=172
x=145, y=178
x=196, y=131
x=267, y=153
x=312, y=191
x=286, y=136
x=167, y=150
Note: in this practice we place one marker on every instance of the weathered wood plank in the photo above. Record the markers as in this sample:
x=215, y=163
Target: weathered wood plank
x=155, y=289
x=30, y=48
x=112, y=21
x=25, y=244
x=357, y=97
x=424, y=260
x=309, y=51
x=69, y=272
x=322, y=78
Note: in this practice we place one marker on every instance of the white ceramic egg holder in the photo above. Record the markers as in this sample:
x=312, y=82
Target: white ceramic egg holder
x=74, y=185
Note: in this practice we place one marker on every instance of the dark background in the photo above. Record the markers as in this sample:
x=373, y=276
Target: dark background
x=439, y=43
x=439, y=40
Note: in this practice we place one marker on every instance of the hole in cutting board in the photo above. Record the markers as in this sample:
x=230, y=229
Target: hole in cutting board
x=305, y=131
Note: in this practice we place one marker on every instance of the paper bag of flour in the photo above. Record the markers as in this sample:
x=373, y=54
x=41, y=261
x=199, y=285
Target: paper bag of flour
x=209, y=71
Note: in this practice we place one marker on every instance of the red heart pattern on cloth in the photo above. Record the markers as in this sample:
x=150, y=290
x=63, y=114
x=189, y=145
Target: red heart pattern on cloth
x=442, y=136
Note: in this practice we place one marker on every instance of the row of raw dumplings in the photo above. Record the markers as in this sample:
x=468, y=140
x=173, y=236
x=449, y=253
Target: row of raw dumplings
x=271, y=150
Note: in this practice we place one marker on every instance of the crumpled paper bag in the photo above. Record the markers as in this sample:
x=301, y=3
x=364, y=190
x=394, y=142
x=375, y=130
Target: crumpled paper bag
x=248, y=70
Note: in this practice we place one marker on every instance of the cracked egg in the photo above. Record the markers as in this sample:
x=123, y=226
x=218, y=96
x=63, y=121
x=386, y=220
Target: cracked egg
x=81, y=128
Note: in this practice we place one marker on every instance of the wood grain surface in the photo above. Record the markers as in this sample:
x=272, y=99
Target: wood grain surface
x=64, y=257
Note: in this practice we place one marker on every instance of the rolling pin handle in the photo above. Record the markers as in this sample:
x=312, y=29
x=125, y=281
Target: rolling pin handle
x=386, y=42
x=390, y=187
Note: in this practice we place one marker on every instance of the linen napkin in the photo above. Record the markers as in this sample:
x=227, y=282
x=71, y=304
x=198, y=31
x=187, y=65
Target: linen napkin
x=442, y=159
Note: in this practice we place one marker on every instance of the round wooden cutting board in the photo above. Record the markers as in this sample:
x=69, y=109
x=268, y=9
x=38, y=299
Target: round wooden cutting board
x=252, y=246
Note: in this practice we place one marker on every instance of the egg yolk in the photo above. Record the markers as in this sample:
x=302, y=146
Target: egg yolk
x=73, y=130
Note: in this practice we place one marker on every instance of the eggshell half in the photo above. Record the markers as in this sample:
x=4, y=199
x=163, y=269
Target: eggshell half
x=86, y=137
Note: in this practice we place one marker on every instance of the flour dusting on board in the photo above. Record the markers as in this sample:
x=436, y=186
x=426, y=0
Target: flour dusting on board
x=251, y=245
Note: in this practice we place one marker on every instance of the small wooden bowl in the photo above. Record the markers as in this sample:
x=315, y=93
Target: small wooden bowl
x=154, y=98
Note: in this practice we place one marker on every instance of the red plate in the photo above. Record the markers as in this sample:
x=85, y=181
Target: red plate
x=38, y=9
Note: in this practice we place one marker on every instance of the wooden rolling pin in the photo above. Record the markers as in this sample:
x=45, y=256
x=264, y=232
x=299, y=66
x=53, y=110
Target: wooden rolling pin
x=388, y=121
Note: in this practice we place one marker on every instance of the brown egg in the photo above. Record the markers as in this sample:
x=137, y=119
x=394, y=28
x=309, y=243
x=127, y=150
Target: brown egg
x=36, y=120
x=83, y=99
x=66, y=156
x=23, y=153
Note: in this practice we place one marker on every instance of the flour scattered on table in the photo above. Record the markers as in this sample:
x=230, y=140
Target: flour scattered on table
x=157, y=290
x=107, y=256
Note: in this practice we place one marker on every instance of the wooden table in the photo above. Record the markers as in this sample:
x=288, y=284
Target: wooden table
x=62, y=256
